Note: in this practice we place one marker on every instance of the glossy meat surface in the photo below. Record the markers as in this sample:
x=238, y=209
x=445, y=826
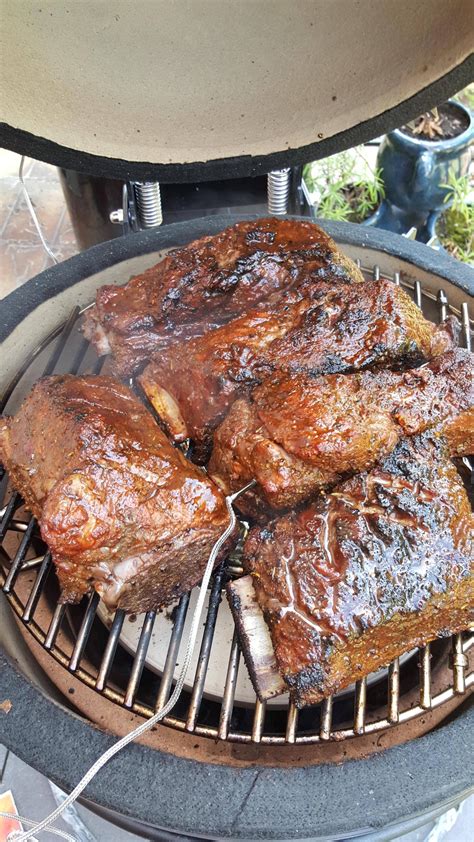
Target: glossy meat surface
x=121, y=510
x=319, y=328
x=191, y=385
x=381, y=565
x=297, y=435
x=205, y=284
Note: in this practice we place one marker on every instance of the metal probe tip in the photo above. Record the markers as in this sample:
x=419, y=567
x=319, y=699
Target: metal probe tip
x=232, y=497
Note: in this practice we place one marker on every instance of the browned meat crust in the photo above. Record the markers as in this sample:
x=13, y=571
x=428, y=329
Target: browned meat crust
x=298, y=435
x=207, y=283
x=191, y=385
x=381, y=565
x=121, y=510
x=319, y=328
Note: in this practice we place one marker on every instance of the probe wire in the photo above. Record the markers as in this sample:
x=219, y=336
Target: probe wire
x=33, y=213
x=45, y=824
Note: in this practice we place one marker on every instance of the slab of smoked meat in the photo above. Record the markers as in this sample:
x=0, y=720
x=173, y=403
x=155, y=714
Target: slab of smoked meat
x=122, y=511
x=205, y=284
x=381, y=565
x=320, y=328
x=297, y=435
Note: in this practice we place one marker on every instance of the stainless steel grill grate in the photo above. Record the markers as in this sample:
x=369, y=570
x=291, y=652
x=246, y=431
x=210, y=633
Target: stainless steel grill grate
x=89, y=648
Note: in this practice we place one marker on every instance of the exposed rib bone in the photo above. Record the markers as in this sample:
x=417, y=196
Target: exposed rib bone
x=255, y=639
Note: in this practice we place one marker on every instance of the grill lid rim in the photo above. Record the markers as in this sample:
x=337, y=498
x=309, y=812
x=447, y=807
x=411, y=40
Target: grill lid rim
x=44, y=149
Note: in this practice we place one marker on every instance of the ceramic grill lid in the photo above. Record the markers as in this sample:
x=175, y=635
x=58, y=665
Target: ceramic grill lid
x=199, y=89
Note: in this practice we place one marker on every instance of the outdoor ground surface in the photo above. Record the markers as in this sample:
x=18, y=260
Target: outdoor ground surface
x=21, y=254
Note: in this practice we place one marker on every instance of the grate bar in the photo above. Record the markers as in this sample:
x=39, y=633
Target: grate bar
x=62, y=333
x=61, y=341
x=360, y=705
x=84, y=632
x=459, y=662
x=466, y=327
x=15, y=498
x=442, y=299
x=54, y=625
x=110, y=649
x=396, y=278
x=417, y=294
x=15, y=525
x=376, y=272
x=205, y=651
x=326, y=719
x=139, y=660
x=8, y=512
x=235, y=570
x=394, y=691
x=19, y=557
x=258, y=721
x=35, y=592
x=229, y=689
x=80, y=354
x=99, y=365
x=425, y=677
x=173, y=650
x=291, y=723
x=32, y=563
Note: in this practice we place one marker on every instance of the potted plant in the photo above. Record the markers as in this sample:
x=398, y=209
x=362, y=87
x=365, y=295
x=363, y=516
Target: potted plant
x=454, y=227
x=343, y=187
x=416, y=162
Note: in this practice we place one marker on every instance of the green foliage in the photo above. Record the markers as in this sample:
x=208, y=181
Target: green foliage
x=342, y=192
x=455, y=227
x=466, y=96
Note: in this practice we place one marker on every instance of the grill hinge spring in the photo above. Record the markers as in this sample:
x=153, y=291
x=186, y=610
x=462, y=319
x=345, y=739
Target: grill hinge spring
x=278, y=191
x=148, y=203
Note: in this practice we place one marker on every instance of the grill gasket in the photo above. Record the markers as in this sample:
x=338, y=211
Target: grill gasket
x=25, y=608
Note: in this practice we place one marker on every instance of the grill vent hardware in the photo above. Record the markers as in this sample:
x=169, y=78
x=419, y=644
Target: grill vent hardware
x=76, y=637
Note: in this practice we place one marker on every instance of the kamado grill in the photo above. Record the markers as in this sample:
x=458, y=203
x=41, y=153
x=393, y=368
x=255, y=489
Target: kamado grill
x=114, y=670
x=376, y=759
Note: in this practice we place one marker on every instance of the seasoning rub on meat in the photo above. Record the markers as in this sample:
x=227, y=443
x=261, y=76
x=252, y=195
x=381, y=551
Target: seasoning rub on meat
x=122, y=511
x=297, y=435
x=381, y=565
x=207, y=283
x=319, y=328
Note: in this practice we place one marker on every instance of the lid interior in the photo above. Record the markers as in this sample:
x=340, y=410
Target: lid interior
x=199, y=80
